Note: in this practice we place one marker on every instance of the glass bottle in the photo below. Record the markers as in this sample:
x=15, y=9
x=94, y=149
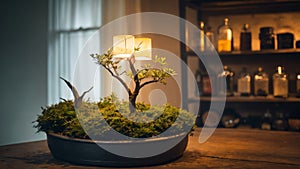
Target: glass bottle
x=279, y=121
x=245, y=38
x=202, y=37
x=225, y=37
x=267, y=38
x=230, y=118
x=211, y=37
x=228, y=75
x=298, y=85
x=261, y=83
x=203, y=82
x=199, y=83
x=266, y=122
x=280, y=83
x=206, y=85
x=285, y=34
x=244, y=83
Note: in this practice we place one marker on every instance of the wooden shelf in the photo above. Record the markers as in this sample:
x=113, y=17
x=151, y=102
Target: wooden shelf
x=235, y=7
x=268, y=59
x=264, y=53
x=250, y=99
x=281, y=52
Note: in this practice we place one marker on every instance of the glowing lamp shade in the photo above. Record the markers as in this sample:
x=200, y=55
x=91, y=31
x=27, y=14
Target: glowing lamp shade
x=123, y=46
x=144, y=47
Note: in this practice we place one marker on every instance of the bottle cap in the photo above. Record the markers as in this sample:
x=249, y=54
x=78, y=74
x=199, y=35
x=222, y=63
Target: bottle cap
x=201, y=25
x=246, y=27
x=226, y=20
x=266, y=30
x=280, y=69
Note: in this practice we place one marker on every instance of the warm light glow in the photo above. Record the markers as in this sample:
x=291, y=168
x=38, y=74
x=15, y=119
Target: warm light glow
x=279, y=70
x=123, y=46
x=144, y=47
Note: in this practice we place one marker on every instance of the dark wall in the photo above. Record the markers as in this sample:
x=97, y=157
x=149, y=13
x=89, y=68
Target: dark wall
x=23, y=68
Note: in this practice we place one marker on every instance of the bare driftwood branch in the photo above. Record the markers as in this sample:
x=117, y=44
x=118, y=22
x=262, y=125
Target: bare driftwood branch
x=77, y=99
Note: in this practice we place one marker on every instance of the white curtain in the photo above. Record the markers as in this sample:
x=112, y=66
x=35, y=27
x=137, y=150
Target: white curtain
x=71, y=23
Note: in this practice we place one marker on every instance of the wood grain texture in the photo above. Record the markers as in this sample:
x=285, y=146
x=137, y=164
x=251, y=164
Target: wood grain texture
x=227, y=148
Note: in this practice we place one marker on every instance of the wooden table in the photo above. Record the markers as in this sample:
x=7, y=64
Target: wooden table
x=227, y=148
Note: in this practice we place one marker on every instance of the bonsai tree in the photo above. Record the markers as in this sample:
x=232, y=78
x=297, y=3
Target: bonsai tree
x=62, y=117
x=141, y=77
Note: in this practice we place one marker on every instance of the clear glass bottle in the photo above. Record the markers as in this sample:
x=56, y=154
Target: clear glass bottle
x=228, y=75
x=280, y=83
x=261, y=83
x=244, y=83
x=202, y=37
x=245, y=38
x=225, y=37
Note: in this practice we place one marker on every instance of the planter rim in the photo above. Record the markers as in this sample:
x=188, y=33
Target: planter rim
x=143, y=140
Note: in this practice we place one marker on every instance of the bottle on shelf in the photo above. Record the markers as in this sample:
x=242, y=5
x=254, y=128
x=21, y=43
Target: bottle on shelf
x=225, y=37
x=199, y=82
x=202, y=36
x=294, y=121
x=245, y=38
x=206, y=85
x=267, y=38
x=203, y=82
x=280, y=83
x=228, y=76
x=298, y=84
x=261, y=83
x=266, y=122
x=284, y=34
x=211, y=37
x=244, y=83
x=230, y=118
x=280, y=121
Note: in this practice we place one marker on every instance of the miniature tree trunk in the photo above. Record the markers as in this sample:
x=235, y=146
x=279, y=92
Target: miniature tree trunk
x=148, y=75
x=132, y=100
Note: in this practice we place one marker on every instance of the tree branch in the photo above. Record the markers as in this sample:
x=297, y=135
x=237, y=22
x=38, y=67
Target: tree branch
x=132, y=68
x=119, y=79
x=149, y=82
x=135, y=75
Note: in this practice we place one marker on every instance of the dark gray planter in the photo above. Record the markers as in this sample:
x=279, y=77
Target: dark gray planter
x=87, y=152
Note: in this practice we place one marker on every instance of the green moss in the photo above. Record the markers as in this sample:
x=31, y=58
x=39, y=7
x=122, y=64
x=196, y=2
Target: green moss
x=63, y=119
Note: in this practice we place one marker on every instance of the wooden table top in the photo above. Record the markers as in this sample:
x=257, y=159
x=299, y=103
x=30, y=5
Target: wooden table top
x=227, y=148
